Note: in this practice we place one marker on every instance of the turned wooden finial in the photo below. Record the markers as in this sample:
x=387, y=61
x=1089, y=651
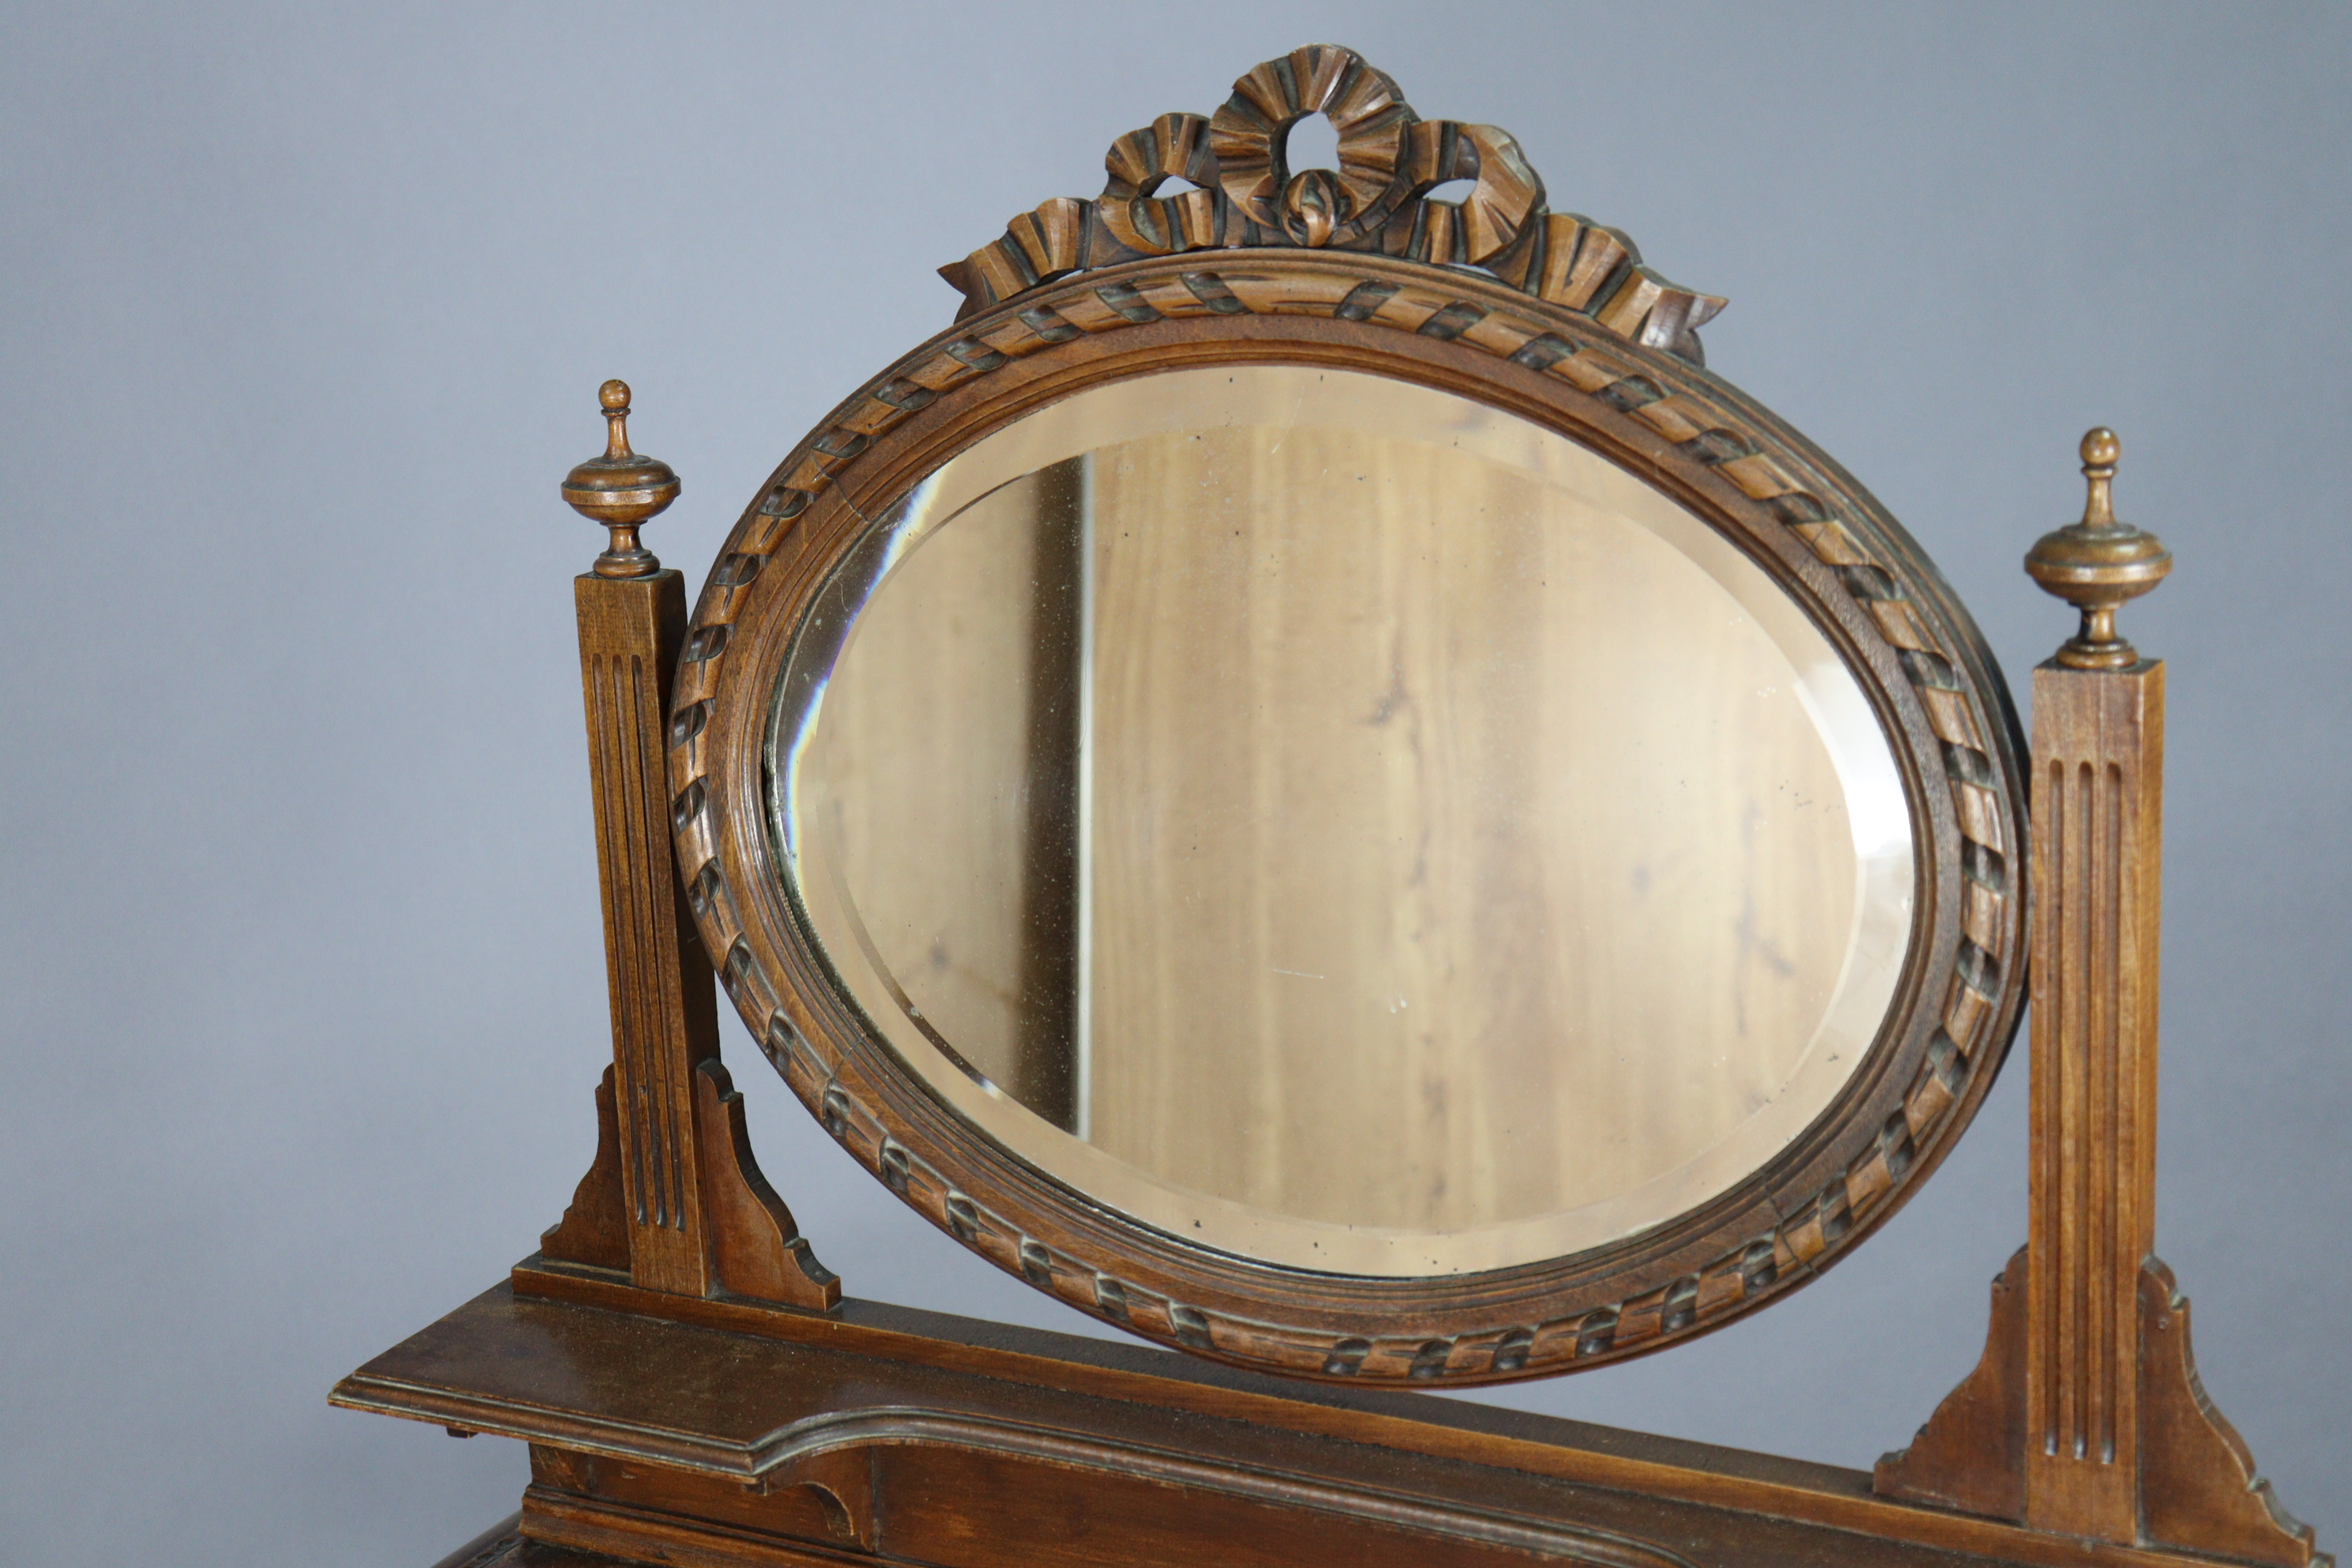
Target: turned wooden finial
x=2098, y=564
x=621, y=490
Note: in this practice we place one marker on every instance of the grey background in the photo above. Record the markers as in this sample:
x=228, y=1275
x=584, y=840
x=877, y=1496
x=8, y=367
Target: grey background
x=304, y=312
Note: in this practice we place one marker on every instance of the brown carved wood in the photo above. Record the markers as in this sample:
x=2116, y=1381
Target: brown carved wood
x=594, y=1229
x=682, y=1404
x=1971, y=1455
x=883, y=1434
x=1242, y=193
x=756, y=1249
x=2098, y=806
x=674, y=1174
x=2085, y=1417
x=2198, y=1486
x=1909, y=644
x=664, y=1019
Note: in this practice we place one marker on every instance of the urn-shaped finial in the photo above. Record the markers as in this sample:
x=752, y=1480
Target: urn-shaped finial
x=621, y=490
x=2098, y=564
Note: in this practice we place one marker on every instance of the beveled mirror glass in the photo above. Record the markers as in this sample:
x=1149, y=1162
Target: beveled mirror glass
x=1306, y=779
x=1340, y=822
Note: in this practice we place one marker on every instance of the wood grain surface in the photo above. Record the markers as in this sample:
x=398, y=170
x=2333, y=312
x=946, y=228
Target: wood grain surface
x=903, y=1436
x=1186, y=184
x=2085, y=1417
x=1808, y=527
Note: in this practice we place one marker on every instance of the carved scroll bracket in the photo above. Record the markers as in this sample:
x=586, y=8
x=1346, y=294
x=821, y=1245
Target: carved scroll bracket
x=1186, y=184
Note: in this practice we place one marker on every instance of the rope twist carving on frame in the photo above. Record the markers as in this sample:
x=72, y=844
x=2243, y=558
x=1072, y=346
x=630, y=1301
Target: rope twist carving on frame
x=1984, y=966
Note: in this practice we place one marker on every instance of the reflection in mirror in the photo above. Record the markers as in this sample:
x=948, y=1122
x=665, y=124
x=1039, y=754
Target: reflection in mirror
x=1341, y=823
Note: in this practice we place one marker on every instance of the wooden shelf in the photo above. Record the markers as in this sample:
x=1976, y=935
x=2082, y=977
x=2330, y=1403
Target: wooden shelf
x=884, y=1430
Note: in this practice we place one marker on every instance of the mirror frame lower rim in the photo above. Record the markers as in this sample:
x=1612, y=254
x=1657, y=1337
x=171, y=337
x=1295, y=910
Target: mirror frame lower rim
x=1909, y=643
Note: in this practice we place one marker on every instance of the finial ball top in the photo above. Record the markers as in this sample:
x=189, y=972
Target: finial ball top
x=621, y=490
x=2098, y=564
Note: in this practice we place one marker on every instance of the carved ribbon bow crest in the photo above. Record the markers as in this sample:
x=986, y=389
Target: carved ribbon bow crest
x=1235, y=189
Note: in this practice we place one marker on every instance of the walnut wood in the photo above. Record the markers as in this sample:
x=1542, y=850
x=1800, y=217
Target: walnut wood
x=757, y=1250
x=673, y=1175
x=976, y=1443
x=2195, y=1487
x=1245, y=194
x=1971, y=1455
x=697, y=1393
x=2098, y=564
x=2085, y=1417
x=621, y=490
x=2198, y=1486
x=1910, y=645
x=2098, y=751
x=842, y=1482
x=595, y=1228
x=665, y=1017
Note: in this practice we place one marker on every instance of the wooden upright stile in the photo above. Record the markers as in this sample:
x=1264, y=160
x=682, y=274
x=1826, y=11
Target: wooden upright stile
x=2085, y=1417
x=673, y=1200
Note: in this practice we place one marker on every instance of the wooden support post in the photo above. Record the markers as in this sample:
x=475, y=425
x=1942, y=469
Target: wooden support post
x=674, y=1198
x=664, y=1012
x=2085, y=1417
x=2098, y=762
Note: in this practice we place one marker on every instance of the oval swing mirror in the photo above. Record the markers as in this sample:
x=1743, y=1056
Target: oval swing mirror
x=1312, y=784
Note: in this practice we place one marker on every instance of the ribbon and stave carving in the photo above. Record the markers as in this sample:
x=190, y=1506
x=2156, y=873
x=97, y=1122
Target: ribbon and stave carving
x=1186, y=184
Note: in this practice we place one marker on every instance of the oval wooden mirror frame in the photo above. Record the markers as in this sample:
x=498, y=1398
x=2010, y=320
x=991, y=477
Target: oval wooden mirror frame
x=1563, y=328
